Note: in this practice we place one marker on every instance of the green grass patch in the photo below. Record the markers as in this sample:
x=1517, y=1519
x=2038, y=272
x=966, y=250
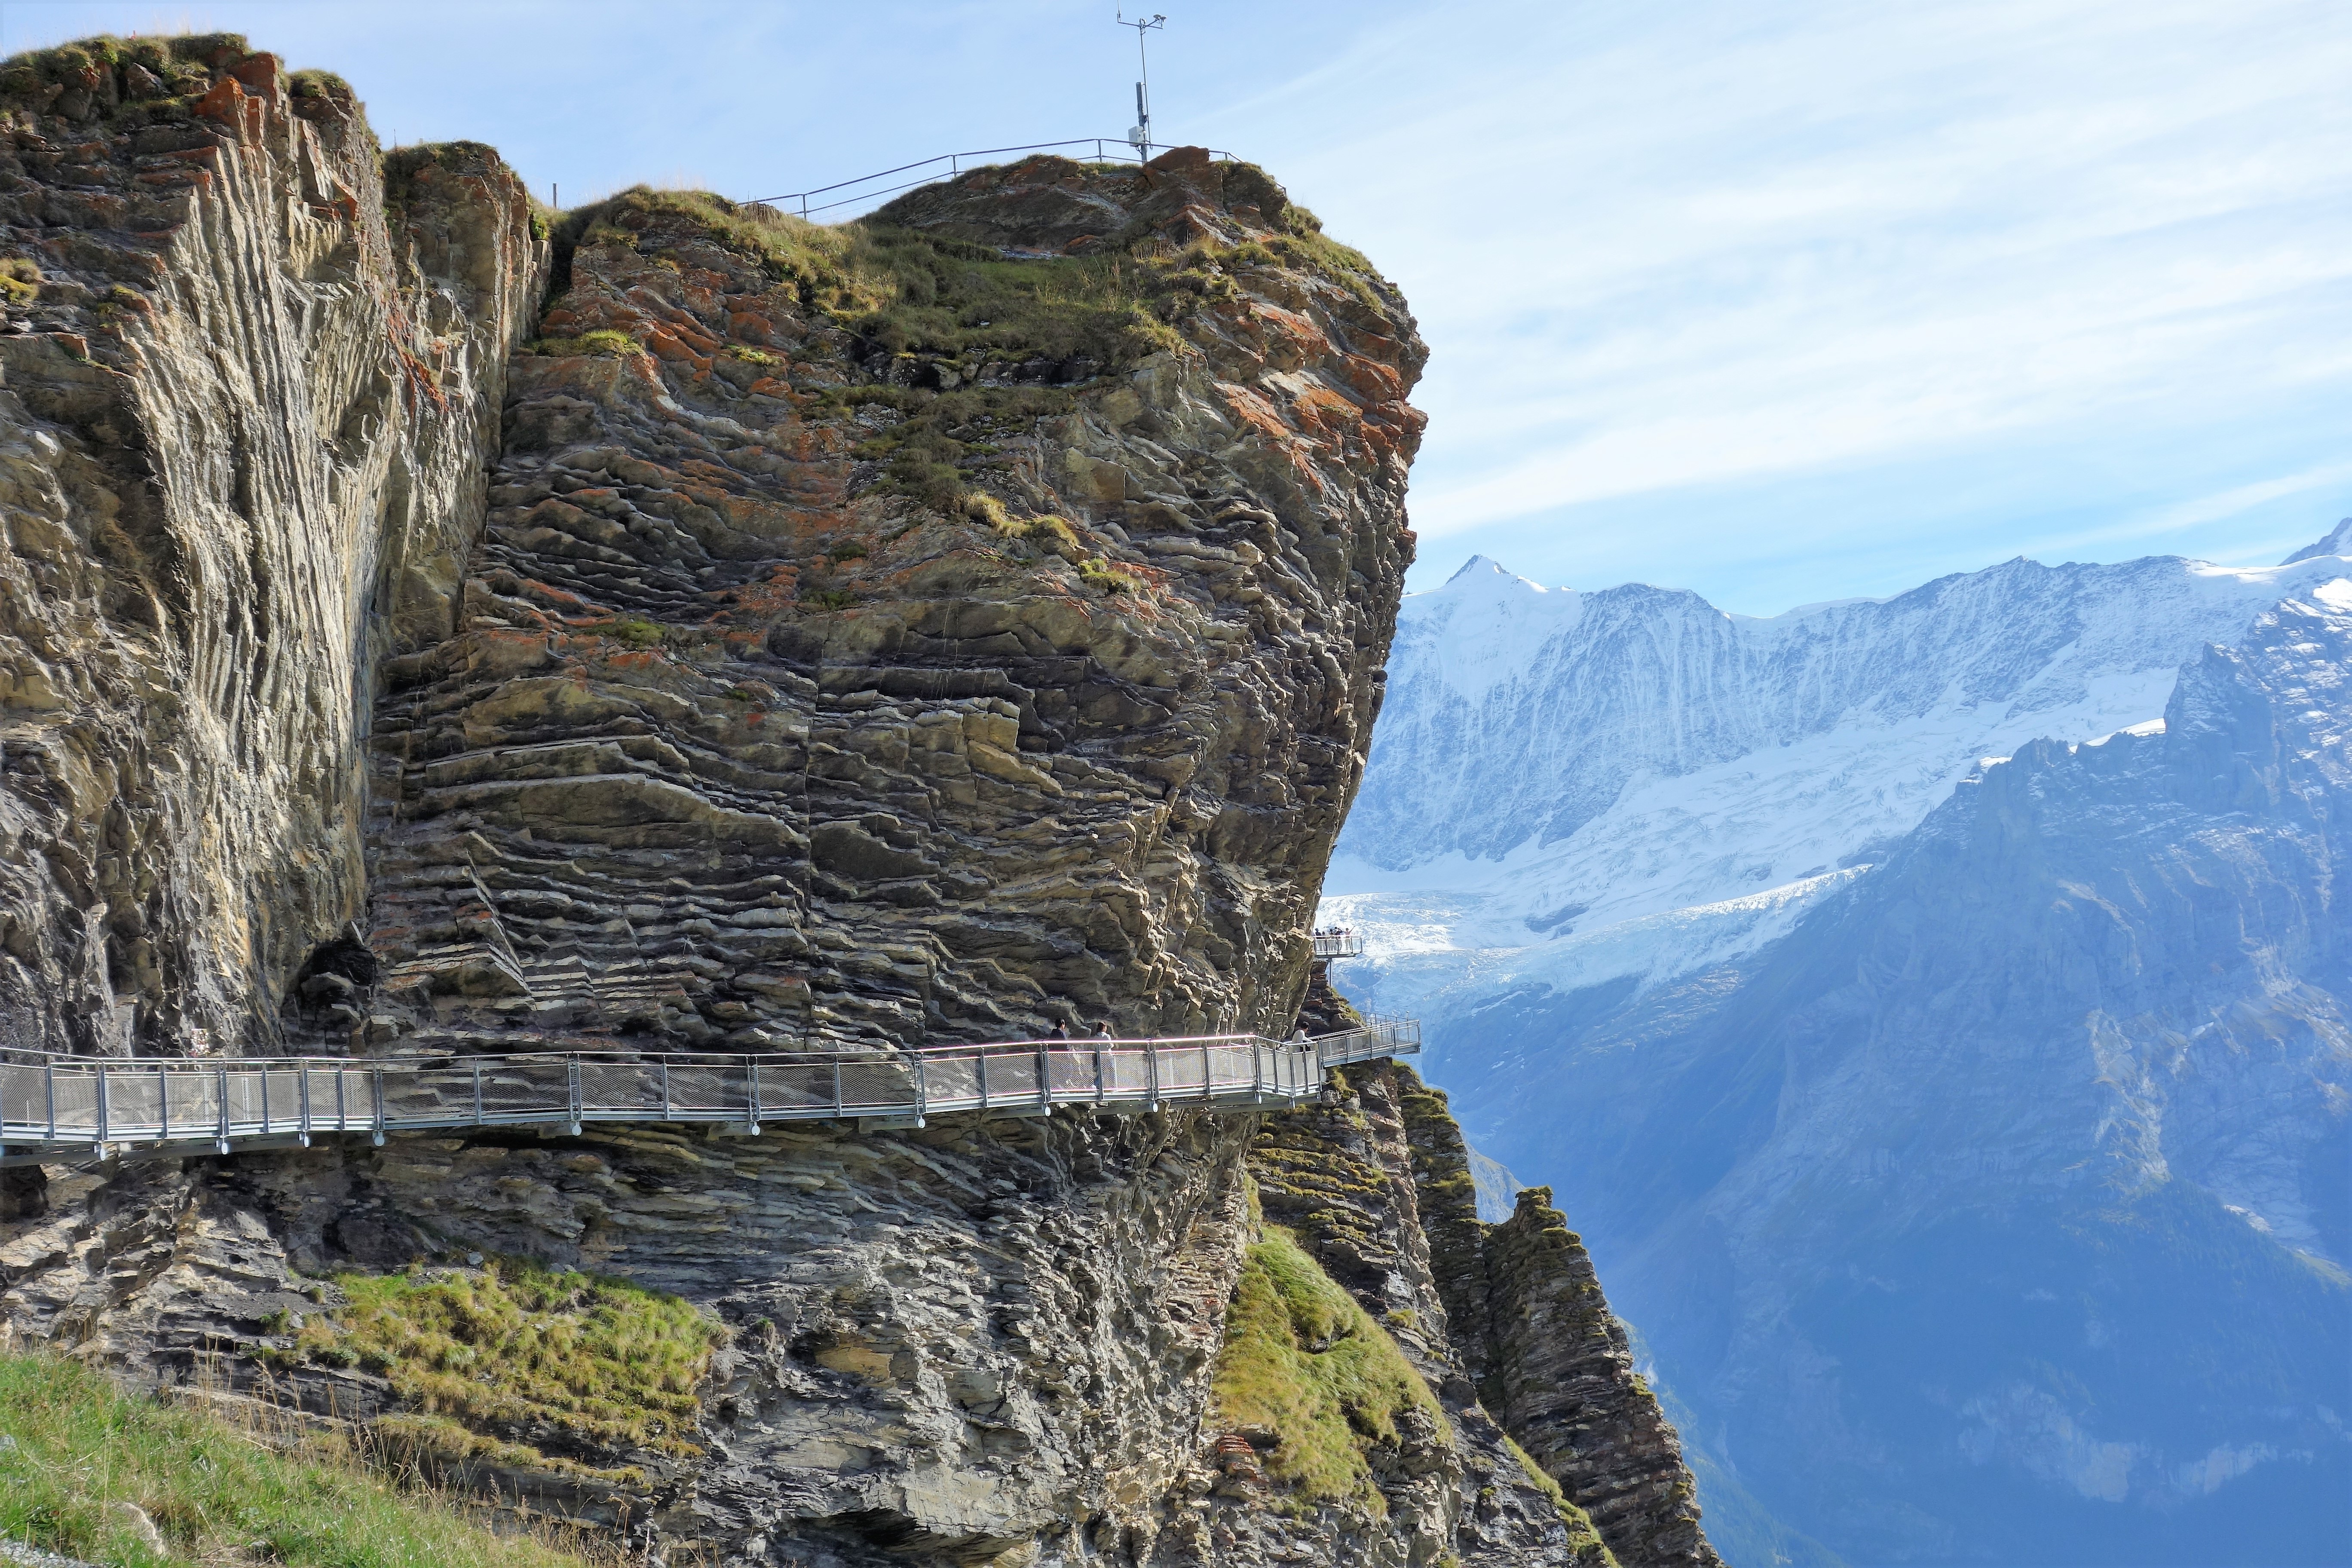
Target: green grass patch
x=20, y=279
x=603, y=342
x=1054, y=535
x=515, y=1348
x=218, y=1491
x=1303, y=1360
x=178, y=63
x=1097, y=573
x=637, y=631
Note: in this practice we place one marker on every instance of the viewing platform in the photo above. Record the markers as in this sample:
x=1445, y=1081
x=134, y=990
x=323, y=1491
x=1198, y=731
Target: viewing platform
x=65, y=1107
x=1339, y=942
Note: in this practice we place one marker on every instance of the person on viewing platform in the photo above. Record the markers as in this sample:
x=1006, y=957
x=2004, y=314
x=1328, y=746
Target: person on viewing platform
x=1102, y=1031
x=1061, y=1031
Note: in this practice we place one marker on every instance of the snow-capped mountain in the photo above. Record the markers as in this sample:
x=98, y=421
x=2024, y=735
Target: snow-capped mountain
x=1937, y=1016
x=1572, y=787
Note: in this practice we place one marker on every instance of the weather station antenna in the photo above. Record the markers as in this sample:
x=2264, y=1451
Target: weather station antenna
x=1139, y=135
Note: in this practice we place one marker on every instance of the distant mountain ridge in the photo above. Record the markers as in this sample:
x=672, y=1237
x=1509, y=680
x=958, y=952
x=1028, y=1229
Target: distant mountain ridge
x=1989, y=1199
x=1571, y=788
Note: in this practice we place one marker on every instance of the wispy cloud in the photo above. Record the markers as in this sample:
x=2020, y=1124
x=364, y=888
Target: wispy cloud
x=1775, y=298
x=1666, y=255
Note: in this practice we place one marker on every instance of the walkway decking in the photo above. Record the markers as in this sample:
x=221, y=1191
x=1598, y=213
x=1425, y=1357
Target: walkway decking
x=57, y=1107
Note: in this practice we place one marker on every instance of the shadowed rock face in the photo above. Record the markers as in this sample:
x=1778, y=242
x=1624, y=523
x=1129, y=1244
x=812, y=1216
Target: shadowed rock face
x=1535, y=1337
x=1346, y=1181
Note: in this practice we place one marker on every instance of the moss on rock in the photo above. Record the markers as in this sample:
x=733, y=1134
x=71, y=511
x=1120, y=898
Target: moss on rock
x=1303, y=1364
x=526, y=1353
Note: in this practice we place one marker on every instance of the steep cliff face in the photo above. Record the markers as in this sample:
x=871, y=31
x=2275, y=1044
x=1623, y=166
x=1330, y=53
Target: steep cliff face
x=243, y=419
x=738, y=741
x=944, y=629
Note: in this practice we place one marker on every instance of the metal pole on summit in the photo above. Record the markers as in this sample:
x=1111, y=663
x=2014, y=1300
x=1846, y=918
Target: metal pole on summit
x=1140, y=137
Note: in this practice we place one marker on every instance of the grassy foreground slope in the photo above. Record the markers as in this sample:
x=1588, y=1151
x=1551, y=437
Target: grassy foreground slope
x=77, y=1449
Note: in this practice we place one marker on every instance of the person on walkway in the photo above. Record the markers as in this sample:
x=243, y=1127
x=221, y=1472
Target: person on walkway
x=1061, y=1031
x=1102, y=1030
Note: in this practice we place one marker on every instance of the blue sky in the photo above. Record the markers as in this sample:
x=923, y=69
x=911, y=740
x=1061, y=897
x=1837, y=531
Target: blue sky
x=1776, y=300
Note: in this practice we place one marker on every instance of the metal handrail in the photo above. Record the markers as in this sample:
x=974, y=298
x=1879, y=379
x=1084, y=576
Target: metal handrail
x=954, y=161
x=1342, y=942
x=52, y=1104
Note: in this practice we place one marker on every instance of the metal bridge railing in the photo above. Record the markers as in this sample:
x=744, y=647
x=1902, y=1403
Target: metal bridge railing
x=1106, y=150
x=81, y=1105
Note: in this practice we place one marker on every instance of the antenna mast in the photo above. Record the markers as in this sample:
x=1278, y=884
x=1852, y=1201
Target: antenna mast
x=1139, y=136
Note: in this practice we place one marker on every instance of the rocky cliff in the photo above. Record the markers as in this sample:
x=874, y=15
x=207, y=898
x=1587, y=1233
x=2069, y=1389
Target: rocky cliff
x=437, y=624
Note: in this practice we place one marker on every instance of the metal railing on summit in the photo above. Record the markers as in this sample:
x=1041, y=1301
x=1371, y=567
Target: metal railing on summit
x=92, y=1106
x=1106, y=150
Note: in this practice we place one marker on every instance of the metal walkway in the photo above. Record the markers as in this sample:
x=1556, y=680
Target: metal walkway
x=62, y=1107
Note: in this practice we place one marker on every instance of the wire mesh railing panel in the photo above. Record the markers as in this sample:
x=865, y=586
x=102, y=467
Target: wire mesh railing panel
x=951, y=1081
x=133, y=1101
x=1012, y=1078
x=77, y=1102
x=880, y=1088
x=1231, y=1068
x=621, y=1091
x=23, y=1100
x=423, y=1096
x=348, y=1099
x=512, y=1088
x=796, y=1089
x=1181, y=1070
x=1071, y=1076
x=706, y=1091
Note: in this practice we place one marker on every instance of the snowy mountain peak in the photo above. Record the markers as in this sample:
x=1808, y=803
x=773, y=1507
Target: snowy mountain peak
x=2337, y=542
x=1485, y=625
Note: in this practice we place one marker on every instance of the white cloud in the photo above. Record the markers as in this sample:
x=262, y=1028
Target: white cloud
x=1910, y=285
x=1658, y=249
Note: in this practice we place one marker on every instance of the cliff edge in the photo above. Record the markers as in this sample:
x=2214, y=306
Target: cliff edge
x=436, y=624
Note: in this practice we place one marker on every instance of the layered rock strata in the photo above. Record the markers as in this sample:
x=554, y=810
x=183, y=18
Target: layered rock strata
x=703, y=725
x=1341, y=1179
x=690, y=732
x=735, y=747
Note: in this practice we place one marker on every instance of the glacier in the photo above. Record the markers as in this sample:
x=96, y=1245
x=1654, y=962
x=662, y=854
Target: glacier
x=1567, y=788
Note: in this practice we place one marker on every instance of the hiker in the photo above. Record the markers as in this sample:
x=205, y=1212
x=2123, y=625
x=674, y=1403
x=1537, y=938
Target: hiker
x=1061, y=1031
x=1102, y=1030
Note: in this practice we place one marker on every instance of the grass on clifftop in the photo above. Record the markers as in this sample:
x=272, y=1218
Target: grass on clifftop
x=78, y=1448
x=1303, y=1360
x=517, y=1349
